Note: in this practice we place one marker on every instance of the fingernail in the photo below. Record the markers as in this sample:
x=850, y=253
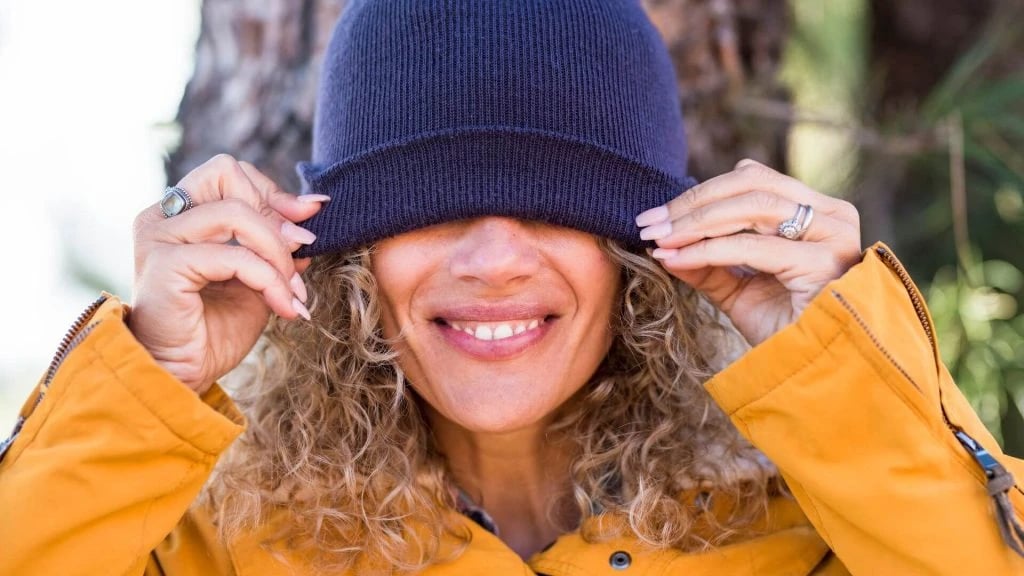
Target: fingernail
x=652, y=216
x=743, y=271
x=296, y=233
x=299, y=287
x=656, y=232
x=300, y=308
x=314, y=198
x=664, y=253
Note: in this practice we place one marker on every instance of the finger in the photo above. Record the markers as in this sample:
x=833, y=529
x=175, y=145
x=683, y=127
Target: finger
x=199, y=265
x=782, y=258
x=757, y=211
x=748, y=177
x=220, y=222
x=219, y=178
x=292, y=207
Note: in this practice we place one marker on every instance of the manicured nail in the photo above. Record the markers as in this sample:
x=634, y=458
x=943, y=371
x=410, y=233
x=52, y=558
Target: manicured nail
x=296, y=234
x=656, y=232
x=664, y=253
x=742, y=271
x=299, y=287
x=652, y=216
x=300, y=308
x=314, y=198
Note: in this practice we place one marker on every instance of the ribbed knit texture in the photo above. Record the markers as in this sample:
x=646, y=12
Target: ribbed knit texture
x=564, y=111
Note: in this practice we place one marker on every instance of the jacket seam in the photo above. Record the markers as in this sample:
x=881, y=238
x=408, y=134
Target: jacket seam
x=52, y=396
x=923, y=418
x=559, y=565
x=141, y=551
x=866, y=351
x=791, y=375
x=117, y=377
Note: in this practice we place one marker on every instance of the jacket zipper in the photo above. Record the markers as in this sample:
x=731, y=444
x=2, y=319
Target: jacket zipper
x=994, y=474
x=871, y=335
x=72, y=338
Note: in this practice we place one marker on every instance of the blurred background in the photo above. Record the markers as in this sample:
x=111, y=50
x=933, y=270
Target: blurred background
x=913, y=110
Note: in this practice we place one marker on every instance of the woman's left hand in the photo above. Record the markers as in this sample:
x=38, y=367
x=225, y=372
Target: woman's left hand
x=710, y=232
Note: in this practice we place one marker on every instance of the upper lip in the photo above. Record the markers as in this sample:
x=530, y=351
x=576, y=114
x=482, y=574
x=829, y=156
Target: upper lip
x=492, y=312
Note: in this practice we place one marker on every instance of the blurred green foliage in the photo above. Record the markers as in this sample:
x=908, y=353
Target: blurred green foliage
x=957, y=206
x=976, y=303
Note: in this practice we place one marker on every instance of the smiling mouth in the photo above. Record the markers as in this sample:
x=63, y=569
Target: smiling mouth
x=499, y=330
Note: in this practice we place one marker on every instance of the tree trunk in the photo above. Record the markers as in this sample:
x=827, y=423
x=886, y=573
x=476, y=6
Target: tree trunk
x=253, y=90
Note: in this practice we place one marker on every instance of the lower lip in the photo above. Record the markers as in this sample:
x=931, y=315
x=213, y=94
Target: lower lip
x=494, y=349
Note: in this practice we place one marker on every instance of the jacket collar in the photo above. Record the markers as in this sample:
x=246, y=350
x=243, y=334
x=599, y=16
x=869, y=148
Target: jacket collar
x=786, y=543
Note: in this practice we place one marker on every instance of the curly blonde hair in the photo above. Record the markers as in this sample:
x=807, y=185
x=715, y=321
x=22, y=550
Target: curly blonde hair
x=336, y=440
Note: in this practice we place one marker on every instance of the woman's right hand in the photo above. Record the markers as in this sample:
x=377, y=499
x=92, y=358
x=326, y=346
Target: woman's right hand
x=200, y=303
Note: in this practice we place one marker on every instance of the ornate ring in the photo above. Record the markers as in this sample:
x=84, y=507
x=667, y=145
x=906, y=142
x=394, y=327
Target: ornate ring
x=175, y=201
x=796, y=226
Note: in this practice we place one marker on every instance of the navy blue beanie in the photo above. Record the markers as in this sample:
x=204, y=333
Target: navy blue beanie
x=428, y=111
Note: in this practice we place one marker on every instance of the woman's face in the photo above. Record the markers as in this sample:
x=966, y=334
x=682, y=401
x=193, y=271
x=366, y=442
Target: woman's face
x=502, y=320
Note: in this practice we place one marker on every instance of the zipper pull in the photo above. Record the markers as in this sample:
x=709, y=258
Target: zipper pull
x=990, y=465
x=1000, y=481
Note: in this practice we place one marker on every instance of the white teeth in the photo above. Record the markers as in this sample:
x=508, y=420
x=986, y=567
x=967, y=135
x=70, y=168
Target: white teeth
x=496, y=331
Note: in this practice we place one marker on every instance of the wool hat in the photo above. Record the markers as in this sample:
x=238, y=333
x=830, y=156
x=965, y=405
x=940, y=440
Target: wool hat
x=428, y=111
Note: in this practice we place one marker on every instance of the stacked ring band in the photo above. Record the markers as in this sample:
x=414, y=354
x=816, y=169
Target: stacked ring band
x=796, y=226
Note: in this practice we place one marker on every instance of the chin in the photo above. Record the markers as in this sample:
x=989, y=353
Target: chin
x=496, y=407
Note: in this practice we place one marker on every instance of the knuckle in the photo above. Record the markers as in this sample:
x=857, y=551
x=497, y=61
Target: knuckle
x=747, y=242
x=766, y=201
x=759, y=172
x=223, y=161
x=847, y=211
x=157, y=256
x=690, y=198
x=260, y=267
x=140, y=225
x=745, y=162
x=236, y=207
x=699, y=215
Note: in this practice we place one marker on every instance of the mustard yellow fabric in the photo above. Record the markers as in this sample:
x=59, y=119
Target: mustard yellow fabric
x=850, y=402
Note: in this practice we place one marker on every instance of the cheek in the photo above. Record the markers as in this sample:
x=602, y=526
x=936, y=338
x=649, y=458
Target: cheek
x=397, y=271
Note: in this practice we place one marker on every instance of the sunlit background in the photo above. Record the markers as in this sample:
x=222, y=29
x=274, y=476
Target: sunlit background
x=88, y=93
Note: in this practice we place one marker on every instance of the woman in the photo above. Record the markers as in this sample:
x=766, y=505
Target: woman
x=494, y=345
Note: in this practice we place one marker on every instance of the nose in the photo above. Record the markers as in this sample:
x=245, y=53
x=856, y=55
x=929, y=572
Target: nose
x=496, y=251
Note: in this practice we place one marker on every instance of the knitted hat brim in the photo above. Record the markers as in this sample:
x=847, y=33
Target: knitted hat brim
x=482, y=171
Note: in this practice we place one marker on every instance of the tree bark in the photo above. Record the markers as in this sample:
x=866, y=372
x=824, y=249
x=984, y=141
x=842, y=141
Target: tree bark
x=253, y=91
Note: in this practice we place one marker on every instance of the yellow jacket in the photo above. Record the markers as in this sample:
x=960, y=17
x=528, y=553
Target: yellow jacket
x=851, y=403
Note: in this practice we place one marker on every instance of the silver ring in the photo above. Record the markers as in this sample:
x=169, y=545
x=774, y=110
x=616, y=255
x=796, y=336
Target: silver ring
x=175, y=201
x=795, y=227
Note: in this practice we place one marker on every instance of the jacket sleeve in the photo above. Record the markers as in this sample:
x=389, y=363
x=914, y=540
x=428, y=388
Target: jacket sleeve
x=109, y=454
x=854, y=406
